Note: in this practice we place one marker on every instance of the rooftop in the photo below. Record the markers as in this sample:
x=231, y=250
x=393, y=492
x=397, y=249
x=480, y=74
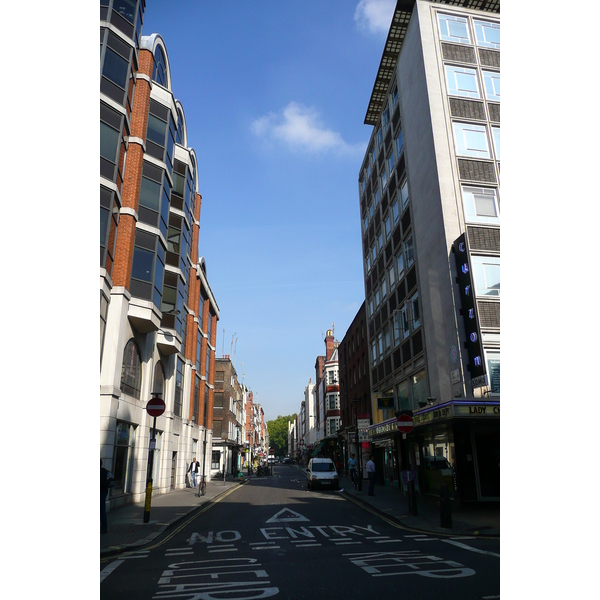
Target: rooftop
x=393, y=44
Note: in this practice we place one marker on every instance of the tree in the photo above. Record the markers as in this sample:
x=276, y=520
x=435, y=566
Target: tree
x=278, y=434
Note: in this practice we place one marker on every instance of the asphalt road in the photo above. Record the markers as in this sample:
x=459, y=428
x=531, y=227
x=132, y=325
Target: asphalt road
x=274, y=538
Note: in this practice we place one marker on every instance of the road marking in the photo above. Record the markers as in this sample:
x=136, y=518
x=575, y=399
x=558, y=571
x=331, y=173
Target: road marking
x=291, y=515
x=386, y=541
x=109, y=569
x=465, y=547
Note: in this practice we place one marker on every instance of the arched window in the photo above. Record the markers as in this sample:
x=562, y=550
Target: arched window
x=159, y=73
x=179, y=134
x=131, y=374
x=159, y=381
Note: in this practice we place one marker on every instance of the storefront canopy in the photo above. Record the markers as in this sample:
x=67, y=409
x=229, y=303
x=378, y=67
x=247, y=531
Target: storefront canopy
x=318, y=448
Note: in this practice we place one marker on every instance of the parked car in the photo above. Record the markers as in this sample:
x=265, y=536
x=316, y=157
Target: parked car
x=321, y=472
x=287, y=460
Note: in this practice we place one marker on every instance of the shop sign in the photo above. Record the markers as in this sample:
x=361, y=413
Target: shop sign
x=471, y=410
x=383, y=428
x=363, y=423
x=455, y=375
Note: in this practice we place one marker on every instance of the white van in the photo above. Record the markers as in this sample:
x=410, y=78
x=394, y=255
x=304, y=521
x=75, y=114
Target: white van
x=321, y=472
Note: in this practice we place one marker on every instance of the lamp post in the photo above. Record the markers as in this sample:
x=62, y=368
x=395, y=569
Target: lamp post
x=155, y=408
x=203, y=464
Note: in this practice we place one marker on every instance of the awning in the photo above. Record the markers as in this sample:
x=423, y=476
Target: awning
x=318, y=448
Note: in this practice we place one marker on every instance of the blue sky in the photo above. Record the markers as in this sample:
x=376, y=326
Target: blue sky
x=275, y=94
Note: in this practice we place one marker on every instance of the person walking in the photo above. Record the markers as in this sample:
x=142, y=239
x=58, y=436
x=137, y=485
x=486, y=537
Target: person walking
x=106, y=482
x=352, y=467
x=193, y=470
x=371, y=475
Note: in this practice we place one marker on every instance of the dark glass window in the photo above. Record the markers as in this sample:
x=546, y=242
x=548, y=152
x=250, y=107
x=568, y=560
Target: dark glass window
x=131, y=373
x=115, y=68
x=110, y=140
x=178, y=388
x=147, y=270
x=159, y=380
x=154, y=200
x=159, y=74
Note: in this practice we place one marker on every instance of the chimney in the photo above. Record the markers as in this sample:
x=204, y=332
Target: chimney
x=329, y=346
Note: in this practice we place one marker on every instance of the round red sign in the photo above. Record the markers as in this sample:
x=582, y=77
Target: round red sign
x=155, y=407
x=405, y=423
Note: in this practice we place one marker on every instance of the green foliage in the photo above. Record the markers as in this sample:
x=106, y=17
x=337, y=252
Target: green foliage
x=278, y=434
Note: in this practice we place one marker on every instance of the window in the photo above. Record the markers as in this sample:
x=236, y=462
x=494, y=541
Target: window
x=333, y=402
x=395, y=210
x=402, y=395
x=215, y=460
x=385, y=119
x=492, y=359
x=409, y=251
x=122, y=467
x=481, y=205
x=486, y=275
x=416, y=314
x=391, y=162
x=159, y=380
x=496, y=139
x=379, y=142
x=404, y=324
x=395, y=95
x=387, y=225
x=418, y=386
x=131, y=371
x=159, y=73
x=384, y=178
x=399, y=143
x=471, y=140
x=462, y=82
x=454, y=29
x=400, y=262
x=404, y=193
x=491, y=82
x=178, y=401
x=147, y=270
x=487, y=34
x=392, y=277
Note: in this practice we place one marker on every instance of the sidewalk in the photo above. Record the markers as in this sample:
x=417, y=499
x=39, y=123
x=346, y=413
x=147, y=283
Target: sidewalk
x=481, y=519
x=127, y=530
x=126, y=527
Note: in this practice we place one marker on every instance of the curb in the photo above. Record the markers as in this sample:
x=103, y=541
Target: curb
x=116, y=550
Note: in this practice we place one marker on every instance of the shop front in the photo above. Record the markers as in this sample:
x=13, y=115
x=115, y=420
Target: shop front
x=459, y=446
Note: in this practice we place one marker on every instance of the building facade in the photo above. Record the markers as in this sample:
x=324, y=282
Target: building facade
x=429, y=192
x=158, y=315
x=355, y=386
x=229, y=419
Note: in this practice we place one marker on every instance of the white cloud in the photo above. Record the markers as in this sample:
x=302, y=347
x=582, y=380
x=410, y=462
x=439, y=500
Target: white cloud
x=374, y=16
x=301, y=128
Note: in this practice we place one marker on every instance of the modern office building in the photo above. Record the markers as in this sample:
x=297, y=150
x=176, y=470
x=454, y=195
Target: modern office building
x=429, y=192
x=158, y=315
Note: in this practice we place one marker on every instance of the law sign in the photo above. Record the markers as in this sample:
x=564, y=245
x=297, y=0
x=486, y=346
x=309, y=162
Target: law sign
x=155, y=407
x=405, y=423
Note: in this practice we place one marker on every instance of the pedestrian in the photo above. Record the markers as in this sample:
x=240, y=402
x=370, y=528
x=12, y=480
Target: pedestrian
x=193, y=470
x=106, y=482
x=371, y=475
x=352, y=467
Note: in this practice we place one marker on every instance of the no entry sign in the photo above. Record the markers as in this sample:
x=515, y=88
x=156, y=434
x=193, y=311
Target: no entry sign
x=155, y=407
x=405, y=423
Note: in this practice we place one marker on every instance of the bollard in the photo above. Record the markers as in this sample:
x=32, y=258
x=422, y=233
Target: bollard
x=148, y=502
x=445, y=507
x=412, y=498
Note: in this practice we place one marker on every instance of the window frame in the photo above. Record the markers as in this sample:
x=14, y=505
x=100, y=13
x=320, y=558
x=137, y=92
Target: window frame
x=480, y=277
x=469, y=194
x=452, y=83
x=462, y=142
x=449, y=37
x=491, y=85
x=482, y=25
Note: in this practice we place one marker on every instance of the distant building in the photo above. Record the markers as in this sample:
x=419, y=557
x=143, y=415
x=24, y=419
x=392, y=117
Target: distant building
x=158, y=315
x=429, y=195
x=355, y=387
x=228, y=419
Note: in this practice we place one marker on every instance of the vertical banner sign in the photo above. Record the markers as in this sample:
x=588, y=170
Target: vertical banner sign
x=469, y=308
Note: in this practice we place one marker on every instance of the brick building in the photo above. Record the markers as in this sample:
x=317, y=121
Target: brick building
x=158, y=315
